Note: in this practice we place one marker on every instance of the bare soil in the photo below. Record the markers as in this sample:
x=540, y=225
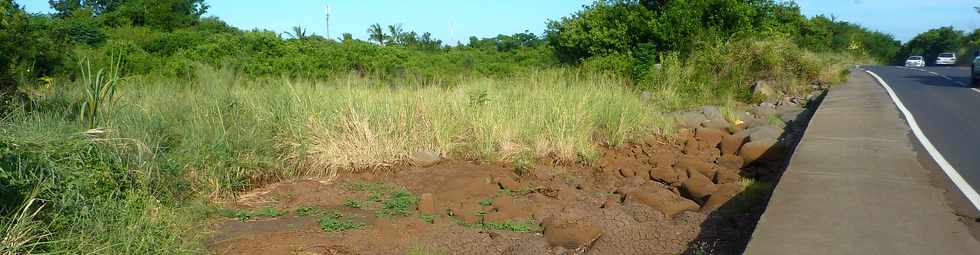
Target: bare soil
x=651, y=197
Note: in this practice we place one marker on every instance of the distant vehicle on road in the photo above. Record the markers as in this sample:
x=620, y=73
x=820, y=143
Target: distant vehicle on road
x=946, y=59
x=975, y=72
x=915, y=61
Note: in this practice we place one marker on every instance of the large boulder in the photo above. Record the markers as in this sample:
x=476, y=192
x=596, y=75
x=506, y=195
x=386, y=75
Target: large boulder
x=721, y=196
x=662, y=199
x=756, y=150
x=764, y=110
x=425, y=158
x=666, y=174
x=571, y=231
x=730, y=161
x=717, y=124
x=764, y=133
x=790, y=114
x=730, y=144
x=711, y=137
x=712, y=112
x=723, y=176
x=691, y=119
x=688, y=163
x=698, y=187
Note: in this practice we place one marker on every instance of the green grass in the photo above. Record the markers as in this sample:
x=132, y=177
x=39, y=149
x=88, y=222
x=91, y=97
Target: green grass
x=486, y=202
x=399, y=203
x=527, y=226
x=168, y=149
x=245, y=215
x=352, y=203
x=337, y=222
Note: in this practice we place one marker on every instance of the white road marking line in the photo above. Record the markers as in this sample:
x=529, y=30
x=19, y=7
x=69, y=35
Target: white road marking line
x=954, y=176
x=943, y=76
x=975, y=89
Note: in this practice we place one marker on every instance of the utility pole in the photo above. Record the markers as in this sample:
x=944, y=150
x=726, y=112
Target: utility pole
x=327, y=11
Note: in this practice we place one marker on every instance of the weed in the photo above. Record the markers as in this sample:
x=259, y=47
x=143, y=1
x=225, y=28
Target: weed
x=511, y=225
x=22, y=233
x=754, y=194
x=246, y=215
x=100, y=90
x=400, y=203
x=776, y=121
x=270, y=212
x=427, y=218
x=352, y=203
x=337, y=222
x=486, y=202
x=305, y=211
x=703, y=247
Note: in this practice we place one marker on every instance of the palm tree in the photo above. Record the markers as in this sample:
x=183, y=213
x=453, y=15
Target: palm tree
x=298, y=32
x=396, y=33
x=377, y=34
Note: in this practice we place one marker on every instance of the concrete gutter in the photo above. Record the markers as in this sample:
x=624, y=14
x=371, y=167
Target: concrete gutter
x=855, y=186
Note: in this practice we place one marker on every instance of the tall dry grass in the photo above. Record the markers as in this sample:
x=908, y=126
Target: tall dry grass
x=237, y=131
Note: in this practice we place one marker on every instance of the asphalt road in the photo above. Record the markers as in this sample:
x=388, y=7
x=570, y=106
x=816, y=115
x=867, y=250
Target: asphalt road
x=946, y=109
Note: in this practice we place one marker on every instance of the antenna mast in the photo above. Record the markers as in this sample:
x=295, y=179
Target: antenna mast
x=327, y=11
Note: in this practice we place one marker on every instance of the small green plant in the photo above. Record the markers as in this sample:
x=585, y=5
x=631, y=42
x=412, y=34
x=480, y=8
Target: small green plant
x=486, y=202
x=352, y=203
x=246, y=215
x=305, y=211
x=428, y=218
x=336, y=222
x=270, y=212
x=398, y=203
x=100, y=89
x=511, y=225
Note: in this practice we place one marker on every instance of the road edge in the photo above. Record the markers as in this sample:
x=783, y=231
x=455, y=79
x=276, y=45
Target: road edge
x=953, y=175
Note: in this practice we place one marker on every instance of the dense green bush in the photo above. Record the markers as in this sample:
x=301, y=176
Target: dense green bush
x=646, y=29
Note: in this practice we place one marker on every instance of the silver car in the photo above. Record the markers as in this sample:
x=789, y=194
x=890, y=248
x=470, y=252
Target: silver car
x=946, y=59
x=915, y=61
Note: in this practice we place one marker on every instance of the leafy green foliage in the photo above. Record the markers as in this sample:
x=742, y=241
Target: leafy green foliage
x=931, y=43
x=625, y=33
x=527, y=226
x=399, y=203
x=100, y=91
x=337, y=222
x=352, y=203
x=245, y=215
x=486, y=202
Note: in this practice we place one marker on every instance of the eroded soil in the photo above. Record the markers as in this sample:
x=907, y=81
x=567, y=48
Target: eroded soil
x=653, y=197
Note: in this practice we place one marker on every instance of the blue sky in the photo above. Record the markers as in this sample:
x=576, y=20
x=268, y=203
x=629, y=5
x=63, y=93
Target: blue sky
x=458, y=20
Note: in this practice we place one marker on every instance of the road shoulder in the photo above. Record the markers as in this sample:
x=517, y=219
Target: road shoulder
x=855, y=185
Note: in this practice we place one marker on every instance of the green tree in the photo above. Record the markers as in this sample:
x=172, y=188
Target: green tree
x=930, y=43
x=377, y=34
x=396, y=34
x=162, y=14
x=298, y=32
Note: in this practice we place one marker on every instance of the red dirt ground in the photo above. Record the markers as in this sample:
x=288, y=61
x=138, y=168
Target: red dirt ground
x=645, y=198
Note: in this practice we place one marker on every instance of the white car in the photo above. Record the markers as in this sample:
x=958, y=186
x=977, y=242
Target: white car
x=915, y=61
x=946, y=59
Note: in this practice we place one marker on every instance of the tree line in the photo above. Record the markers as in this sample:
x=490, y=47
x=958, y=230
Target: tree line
x=168, y=38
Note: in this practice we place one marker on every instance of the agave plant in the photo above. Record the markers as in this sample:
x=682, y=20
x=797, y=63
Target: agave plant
x=100, y=89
